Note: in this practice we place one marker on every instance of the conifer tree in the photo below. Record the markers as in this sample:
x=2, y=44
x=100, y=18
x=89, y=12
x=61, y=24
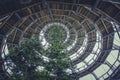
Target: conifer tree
x=32, y=62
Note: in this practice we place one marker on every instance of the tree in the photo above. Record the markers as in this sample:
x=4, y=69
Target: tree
x=32, y=62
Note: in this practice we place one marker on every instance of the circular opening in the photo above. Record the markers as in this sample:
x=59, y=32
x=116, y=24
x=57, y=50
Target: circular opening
x=53, y=32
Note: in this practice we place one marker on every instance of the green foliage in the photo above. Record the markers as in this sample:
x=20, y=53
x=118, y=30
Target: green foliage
x=55, y=34
x=29, y=56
